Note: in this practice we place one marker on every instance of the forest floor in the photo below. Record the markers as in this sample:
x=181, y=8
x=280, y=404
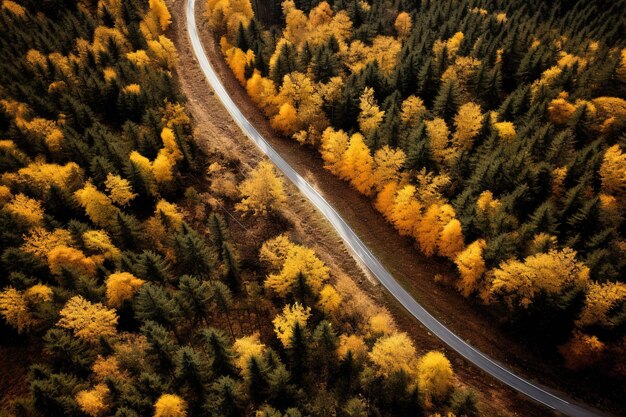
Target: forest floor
x=216, y=130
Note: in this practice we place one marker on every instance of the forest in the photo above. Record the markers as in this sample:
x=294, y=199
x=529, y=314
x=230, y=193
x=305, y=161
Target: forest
x=490, y=132
x=126, y=286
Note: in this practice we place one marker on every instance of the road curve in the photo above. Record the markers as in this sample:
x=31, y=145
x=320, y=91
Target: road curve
x=364, y=254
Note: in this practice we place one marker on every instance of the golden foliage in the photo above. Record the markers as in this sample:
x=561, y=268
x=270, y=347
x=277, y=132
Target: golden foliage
x=451, y=241
x=109, y=74
x=139, y=58
x=170, y=213
x=394, y=353
x=386, y=198
x=262, y=91
x=301, y=266
x=286, y=120
x=94, y=402
x=156, y=21
x=370, y=116
x=452, y=46
x=506, y=130
x=262, y=191
x=357, y=165
x=97, y=205
x=552, y=273
x=334, y=145
x=175, y=114
x=132, y=89
x=439, y=139
x=245, y=348
x=582, y=351
x=163, y=52
x=40, y=242
x=613, y=171
x=120, y=287
x=600, y=300
x=99, y=241
x=403, y=25
x=284, y=323
x=468, y=123
x=406, y=211
x=413, y=111
x=103, y=36
x=560, y=111
x=228, y=15
x=119, y=189
x=38, y=293
x=14, y=309
x=27, y=209
x=5, y=195
x=381, y=323
x=430, y=186
x=434, y=375
x=352, y=343
x=63, y=257
x=275, y=251
x=88, y=321
x=14, y=8
x=330, y=299
x=387, y=162
x=487, y=204
x=471, y=266
x=237, y=59
x=43, y=175
x=170, y=405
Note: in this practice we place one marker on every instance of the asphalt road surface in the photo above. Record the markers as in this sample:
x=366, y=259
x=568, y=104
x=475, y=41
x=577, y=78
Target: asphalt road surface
x=364, y=254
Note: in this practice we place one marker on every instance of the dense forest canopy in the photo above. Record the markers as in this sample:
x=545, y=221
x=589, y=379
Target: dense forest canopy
x=118, y=266
x=491, y=132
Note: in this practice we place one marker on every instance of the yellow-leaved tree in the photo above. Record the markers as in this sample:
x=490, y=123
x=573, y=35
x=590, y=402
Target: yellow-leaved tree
x=555, y=275
x=471, y=266
x=394, y=353
x=301, y=271
x=334, y=145
x=613, y=172
x=371, y=115
x=120, y=287
x=119, y=189
x=284, y=323
x=263, y=191
x=14, y=310
x=403, y=25
x=156, y=21
x=434, y=375
x=387, y=165
x=406, y=212
x=357, y=165
x=170, y=405
x=27, y=209
x=63, y=258
x=88, y=321
x=94, y=402
x=97, y=205
x=330, y=299
x=245, y=348
x=467, y=122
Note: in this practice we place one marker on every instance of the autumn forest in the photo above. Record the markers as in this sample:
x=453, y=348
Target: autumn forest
x=153, y=265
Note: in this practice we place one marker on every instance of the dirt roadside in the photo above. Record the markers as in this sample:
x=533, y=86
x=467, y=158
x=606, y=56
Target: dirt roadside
x=216, y=129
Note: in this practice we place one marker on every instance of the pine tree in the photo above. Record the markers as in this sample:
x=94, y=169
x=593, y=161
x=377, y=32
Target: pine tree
x=446, y=104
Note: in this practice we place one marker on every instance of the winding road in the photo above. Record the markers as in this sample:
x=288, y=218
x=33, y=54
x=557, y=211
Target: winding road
x=364, y=254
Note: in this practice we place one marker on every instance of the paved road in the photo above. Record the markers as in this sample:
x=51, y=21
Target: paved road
x=364, y=254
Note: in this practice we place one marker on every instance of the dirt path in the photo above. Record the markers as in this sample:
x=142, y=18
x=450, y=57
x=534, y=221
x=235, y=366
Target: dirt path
x=215, y=128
